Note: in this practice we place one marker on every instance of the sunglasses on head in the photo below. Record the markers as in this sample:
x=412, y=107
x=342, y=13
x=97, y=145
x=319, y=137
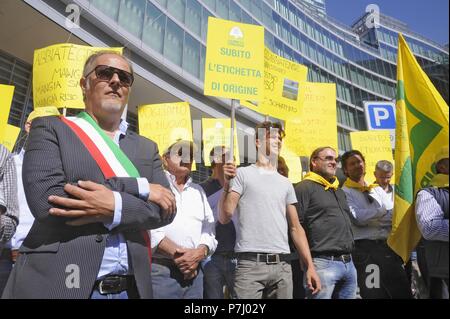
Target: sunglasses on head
x=106, y=72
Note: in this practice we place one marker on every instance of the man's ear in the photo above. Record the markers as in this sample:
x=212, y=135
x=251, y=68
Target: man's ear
x=83, y=83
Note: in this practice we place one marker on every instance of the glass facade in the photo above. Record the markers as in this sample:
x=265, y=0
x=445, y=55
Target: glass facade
x=363, y=67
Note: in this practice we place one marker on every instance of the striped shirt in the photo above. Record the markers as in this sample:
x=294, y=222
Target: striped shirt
x=430, y=217
x=8, y=196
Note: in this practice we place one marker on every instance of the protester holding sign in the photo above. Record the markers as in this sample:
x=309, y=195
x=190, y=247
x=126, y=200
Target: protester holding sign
x=94, y=189
x=264, y=203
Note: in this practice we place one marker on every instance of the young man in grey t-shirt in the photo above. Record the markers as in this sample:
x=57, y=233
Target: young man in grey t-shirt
x=264, y=201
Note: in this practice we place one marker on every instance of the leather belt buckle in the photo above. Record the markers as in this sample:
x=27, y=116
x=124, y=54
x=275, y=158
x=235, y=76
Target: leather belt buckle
x=272, y=259
x=346, y=258
x=110, y=285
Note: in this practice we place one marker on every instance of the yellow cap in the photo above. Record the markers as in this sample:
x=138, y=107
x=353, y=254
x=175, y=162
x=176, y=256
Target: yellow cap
x=443, y=153
x=43, y=111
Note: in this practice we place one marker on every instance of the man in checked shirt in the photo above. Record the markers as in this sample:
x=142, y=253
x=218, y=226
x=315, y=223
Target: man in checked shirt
x=432, y=206
x=9, y=212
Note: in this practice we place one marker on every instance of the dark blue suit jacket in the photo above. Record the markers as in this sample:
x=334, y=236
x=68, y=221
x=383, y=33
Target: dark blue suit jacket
x=55, y=156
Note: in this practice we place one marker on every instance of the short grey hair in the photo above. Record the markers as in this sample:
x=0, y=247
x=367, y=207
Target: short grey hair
x=384, y=166
x=89, y=64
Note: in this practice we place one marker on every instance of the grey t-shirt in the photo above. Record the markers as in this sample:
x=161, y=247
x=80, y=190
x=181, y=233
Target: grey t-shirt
x=261, y=211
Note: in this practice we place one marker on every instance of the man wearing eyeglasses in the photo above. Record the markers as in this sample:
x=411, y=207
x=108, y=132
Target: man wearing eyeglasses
x=381, y=274
x=264, y=202
x=95, y=189
x=324, y=213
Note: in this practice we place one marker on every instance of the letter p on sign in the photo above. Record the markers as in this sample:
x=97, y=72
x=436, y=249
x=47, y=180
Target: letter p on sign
x=380, y=116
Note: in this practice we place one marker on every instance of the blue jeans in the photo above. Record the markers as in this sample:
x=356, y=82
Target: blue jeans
x=338, y=279
x=168, y=283
x=218, y=272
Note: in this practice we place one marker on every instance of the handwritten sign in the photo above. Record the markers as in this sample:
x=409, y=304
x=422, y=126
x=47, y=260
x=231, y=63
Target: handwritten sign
x=281, y=87
x=375, y=146
x=317, y=124
x=216, y=132
x=234, y=60
x=165, y=123
x=57, y=71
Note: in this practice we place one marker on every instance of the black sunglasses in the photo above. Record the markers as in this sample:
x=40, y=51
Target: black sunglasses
x=106, y=72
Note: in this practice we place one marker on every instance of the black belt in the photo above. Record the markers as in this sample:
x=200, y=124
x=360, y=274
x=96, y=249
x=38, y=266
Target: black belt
x=266, y=258
x=114, y=284
x=345, y=258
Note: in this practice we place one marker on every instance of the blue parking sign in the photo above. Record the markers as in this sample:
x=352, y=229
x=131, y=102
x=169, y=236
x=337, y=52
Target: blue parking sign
x=381, y=116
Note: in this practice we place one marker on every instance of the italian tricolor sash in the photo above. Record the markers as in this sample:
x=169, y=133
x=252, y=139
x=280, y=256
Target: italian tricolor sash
x=111, y=160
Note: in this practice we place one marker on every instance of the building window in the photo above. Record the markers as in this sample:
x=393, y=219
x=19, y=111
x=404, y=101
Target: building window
x=154, y=28
x=194, y=16
x=131, y=16
x=191, y=55
x=177, y=8
x=173, y=42
x=108, y=7
x=235, y=12
x=222, y=8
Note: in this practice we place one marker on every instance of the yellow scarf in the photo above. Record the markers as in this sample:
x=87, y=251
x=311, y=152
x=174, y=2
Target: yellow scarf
x=351, y=184
x=322, y=181
x=440, y=180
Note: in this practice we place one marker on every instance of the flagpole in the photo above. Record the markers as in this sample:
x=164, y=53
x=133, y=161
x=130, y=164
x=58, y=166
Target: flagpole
x=234, y=105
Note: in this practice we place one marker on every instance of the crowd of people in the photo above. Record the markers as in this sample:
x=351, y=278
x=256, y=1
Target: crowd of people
x=90, y=209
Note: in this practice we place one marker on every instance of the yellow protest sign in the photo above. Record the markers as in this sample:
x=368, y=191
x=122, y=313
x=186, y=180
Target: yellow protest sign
x=317, y=125
x=375, y=146
x=57, y=71
x=216, y=132
x=281, y=87
x=165, y=123
x=8, y=136
x=294, y=164
x=6, y=97
x=234, y=60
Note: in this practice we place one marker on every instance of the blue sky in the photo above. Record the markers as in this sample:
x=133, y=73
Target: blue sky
x=426, y=17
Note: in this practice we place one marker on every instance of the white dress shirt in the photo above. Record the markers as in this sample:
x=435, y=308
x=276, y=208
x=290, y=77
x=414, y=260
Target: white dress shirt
x=370, y=220
x=26, y=218
x=194, y=222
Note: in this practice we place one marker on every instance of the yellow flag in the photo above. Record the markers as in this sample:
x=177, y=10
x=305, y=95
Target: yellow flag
x=234, y=65
x=375, y=146
x=216, y=132
x=317, y=125
x=6, y=97
x=421, y=131
x=166, y=123
x=57, y=71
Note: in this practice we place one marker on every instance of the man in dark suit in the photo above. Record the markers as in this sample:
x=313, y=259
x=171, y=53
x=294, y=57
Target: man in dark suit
x=90, y=237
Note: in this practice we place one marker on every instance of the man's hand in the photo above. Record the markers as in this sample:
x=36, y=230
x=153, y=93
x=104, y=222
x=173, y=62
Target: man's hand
x=229, y=171
x=313, y=280
x=164, y=198
x=187, y=259
x=93, y=202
